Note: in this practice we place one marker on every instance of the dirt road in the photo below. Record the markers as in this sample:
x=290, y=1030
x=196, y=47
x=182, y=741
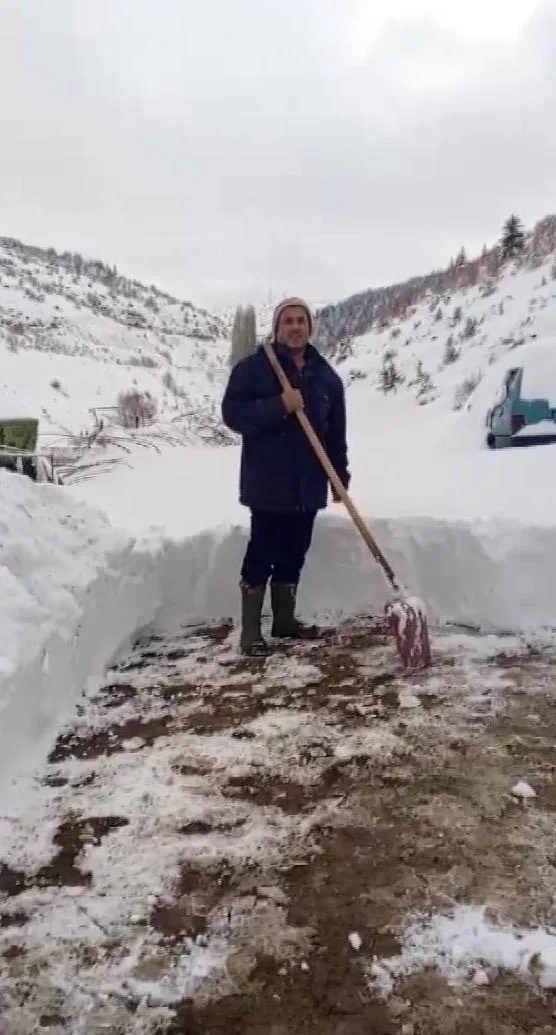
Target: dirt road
x=289, y=847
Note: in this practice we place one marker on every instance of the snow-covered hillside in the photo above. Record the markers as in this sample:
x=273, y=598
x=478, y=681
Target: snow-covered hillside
x=441, y=348
x=438, y=354
x=74, y=334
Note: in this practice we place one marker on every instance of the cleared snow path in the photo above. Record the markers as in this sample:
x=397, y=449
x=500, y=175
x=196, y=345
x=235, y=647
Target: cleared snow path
x=74, y=591
x=223, y=846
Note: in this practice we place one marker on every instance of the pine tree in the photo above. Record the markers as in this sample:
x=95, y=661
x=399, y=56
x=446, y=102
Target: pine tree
x=426, y=388
x=390, y=377
x=470, y=328
x=512, y=241
x=384, y=378
x=451, y=354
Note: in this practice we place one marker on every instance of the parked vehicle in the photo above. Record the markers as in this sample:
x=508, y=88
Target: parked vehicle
x=19, y=451
x=19, y=433
x=517, y=418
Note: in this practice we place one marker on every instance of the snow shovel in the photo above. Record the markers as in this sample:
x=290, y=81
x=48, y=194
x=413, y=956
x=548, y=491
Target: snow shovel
x=406, y=615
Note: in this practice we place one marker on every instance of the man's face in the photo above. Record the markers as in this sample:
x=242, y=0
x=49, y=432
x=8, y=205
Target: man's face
x=293, y=328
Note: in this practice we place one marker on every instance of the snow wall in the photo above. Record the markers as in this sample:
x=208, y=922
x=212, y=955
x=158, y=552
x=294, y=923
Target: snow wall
x=74, y=592
x=492, y=574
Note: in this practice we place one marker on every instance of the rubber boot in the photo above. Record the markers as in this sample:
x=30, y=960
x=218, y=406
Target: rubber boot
x=285, y=625
x=251, y=642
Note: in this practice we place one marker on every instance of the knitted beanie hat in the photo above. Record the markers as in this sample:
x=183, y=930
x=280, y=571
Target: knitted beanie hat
x=285, y=305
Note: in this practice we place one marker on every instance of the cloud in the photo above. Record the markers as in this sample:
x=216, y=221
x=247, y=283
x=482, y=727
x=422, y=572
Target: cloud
x=225, y=149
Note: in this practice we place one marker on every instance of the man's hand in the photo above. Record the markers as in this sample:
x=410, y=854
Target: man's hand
x=292, y=400
x=336, y=498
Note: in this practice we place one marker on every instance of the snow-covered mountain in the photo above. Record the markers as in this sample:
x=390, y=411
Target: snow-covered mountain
x=74, y=334
x=433, y=343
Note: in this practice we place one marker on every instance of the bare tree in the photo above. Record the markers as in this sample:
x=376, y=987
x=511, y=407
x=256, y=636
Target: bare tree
x=136, y=408
x=235, y=350
x=465, y=389
x=249, y=330
x=244, y=334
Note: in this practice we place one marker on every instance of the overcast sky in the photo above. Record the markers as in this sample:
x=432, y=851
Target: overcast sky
x=228, y=148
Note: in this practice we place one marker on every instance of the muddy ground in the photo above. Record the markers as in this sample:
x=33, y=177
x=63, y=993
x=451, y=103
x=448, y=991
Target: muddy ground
x=300, y=800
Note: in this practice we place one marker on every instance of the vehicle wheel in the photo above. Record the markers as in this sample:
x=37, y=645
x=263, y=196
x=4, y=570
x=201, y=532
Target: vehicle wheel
x=498, y=441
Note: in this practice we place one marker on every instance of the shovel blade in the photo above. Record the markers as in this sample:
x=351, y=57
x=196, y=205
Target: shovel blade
x=407, y=621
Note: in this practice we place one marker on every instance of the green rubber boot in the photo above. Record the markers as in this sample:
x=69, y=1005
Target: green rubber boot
x=285, y=625
x=252, y=643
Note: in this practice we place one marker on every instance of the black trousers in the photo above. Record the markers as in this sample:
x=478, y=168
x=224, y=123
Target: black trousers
x=277, y=547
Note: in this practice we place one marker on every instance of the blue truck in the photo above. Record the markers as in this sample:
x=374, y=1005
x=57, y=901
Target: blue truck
x=518, y=419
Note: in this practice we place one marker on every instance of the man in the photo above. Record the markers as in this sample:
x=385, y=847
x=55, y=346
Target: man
x=281, y=480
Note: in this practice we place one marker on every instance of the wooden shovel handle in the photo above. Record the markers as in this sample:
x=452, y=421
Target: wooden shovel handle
x=333, y=476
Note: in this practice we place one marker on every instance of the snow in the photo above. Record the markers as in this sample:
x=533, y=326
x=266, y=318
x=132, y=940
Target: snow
x=544, y=429
x=136, y=865
x=539, y=370
x=73, y=338
x=73, y=590
x=474, y=559
x=84, y=569
x=78, y=583
x=408, y=701
x=523, y=791
x=466, y=946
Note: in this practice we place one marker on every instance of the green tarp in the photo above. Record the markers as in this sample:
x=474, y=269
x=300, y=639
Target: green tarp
x=19, y=435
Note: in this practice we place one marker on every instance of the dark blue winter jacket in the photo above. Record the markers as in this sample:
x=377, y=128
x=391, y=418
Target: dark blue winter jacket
x=279, y=470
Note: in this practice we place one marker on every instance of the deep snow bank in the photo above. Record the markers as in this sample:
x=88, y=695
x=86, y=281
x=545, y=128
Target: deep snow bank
x=494, y=574
x=73, y=591
x=400, y=470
